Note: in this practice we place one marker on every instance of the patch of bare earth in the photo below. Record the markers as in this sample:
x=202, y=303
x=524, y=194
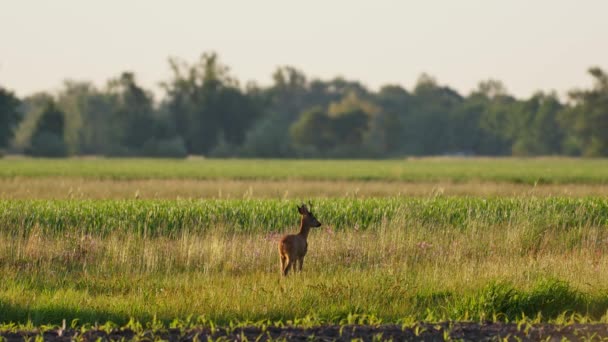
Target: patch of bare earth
x=418, y=332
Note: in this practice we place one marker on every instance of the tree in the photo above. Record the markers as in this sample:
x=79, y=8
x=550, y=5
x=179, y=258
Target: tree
x=465, y=134
x=266, y=136
x=491, y=89
x=90, y=125
x=395, y=105
x=48, y=137
x=494, y=109
x=207, y=105
x=338, y=132
x=351, y=121
x=285, y=101
x=586, y=122
x=10, y=116
x=314, y=128
x=289, y=91
x=32, y=108
x=428, y=127
x=536, y=130
x=133, y=119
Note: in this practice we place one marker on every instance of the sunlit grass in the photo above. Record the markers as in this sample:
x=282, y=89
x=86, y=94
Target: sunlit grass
x=170, y=217
x=397, y=260
x=510, y=170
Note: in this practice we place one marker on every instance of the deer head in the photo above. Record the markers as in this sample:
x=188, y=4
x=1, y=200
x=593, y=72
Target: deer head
x=308, y=218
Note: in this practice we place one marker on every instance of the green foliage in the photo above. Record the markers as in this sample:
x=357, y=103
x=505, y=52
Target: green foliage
x=339, y=132
x=10, y=116
x=255, y=216
x=48, y=137
x=537, y=130
x=51, y=121
x=587, y=120
x=165, y=148
x=133, y=114
x=268, y=138
x=350, y=120
x=206, y=103
x=314, y=128
x=496, y=136
x=207, y=109
x=33, y=106
x=90, y=122
x=45, y=144
x=427, y=127
x=386, y=129
x=548, y=297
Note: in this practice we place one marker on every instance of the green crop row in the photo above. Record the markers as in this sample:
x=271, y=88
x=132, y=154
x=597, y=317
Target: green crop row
x=167, y=217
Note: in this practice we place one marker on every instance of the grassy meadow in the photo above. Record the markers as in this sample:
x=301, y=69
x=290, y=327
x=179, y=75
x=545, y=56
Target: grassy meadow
x=196, y=178
x=176, y=244
x=506, y=170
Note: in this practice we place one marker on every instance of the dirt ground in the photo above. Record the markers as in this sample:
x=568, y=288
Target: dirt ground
x=418, y=332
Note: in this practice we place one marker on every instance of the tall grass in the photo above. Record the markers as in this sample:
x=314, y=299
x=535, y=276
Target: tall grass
x=396, y=259
x=166, y=217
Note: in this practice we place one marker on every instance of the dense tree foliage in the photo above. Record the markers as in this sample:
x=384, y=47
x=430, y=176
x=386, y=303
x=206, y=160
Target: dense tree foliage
x=205, y=111
x=48, y=136
x=9, y=116
x=586, y=121
x=207, y=105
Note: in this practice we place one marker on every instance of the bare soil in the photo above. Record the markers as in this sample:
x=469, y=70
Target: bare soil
x=418, y=332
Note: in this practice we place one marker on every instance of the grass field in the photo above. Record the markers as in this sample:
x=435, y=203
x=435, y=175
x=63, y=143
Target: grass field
x=397, y=260
x=402, y=241
x=509, y=170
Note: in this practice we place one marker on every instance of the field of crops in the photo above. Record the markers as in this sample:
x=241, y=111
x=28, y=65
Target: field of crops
x=509, y=170
x=170, y=218
x=379, y=258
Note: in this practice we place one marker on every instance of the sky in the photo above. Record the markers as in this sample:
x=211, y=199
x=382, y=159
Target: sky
x=529, y=45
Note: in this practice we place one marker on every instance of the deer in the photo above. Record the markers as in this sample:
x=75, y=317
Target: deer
x=293, y=247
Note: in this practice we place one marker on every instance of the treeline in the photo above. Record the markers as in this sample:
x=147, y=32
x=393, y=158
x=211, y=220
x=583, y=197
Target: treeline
x=205, y=111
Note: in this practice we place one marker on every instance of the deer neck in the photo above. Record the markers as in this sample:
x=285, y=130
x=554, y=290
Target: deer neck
x=304, y=229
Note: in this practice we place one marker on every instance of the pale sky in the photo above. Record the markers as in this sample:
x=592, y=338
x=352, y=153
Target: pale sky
x=528, y=44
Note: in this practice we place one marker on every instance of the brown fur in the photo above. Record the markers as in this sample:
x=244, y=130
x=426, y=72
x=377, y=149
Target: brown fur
x=293, y=247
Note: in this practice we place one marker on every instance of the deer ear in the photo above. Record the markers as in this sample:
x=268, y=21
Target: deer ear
x=300, y=209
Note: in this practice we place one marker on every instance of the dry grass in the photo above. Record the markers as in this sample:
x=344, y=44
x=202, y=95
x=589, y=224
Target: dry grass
x=75, y=188
x=402, y=270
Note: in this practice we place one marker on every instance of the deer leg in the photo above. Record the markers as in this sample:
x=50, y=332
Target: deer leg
x=287, y=266
x=283, y=261
x=301, y=263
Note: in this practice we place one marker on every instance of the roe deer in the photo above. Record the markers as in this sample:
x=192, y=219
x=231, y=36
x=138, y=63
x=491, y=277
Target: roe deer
x=293, y=247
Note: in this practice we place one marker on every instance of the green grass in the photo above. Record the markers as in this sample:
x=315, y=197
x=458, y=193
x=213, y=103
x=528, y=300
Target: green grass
x=395, y=259
x=170, y=217
x=527, y=171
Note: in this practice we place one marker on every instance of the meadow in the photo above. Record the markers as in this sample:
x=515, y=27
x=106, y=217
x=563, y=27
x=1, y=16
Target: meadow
x=506, y=170
x=196, y=178
x=525, y=250
x=394, y=259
